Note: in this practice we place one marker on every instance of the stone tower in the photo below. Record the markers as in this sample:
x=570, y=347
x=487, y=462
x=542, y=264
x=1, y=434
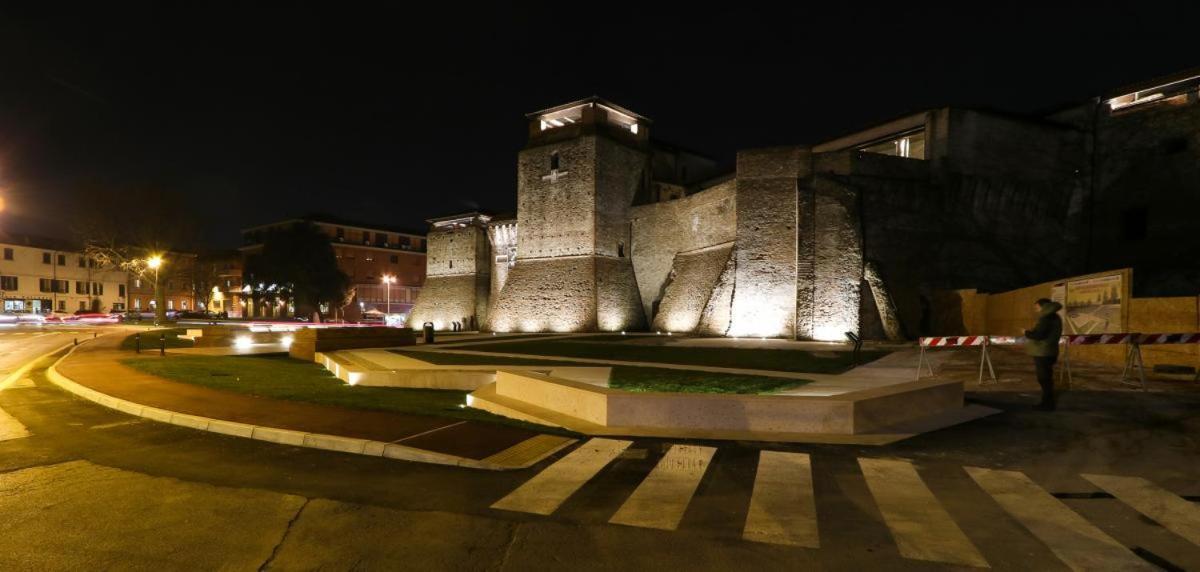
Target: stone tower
x=458, y=273
x=576, y=181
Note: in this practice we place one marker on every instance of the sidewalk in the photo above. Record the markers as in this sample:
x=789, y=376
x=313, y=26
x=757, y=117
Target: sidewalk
x=96, y=365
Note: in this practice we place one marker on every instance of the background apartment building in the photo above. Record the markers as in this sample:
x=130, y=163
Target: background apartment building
x=44, y=275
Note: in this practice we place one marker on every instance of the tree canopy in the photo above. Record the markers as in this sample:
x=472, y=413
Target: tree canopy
x=297, y=263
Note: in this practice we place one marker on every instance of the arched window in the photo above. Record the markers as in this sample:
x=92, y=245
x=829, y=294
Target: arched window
x=621, y=249
x=554, y=161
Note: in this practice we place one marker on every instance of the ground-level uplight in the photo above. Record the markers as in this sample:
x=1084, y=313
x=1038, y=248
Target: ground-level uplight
x=242, y=342
x=287, y=340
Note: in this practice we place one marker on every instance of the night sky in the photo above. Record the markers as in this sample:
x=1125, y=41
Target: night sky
x=394, y=116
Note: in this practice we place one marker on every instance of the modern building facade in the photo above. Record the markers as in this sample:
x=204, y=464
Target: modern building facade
x=615, y=231
x=43, y=275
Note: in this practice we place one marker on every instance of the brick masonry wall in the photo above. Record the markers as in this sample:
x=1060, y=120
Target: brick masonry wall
x=690, y=287
x=557, y=217
x=837, y=260
x=618, y=306
x=661, y=230
x=764, y=298
x=547, y=295
x=446, y=299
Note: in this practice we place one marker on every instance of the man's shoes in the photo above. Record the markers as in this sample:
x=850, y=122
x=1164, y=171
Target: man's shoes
x=1044, y=407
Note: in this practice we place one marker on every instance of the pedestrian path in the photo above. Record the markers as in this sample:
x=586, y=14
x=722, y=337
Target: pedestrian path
x=783, y=509
x=95, y=371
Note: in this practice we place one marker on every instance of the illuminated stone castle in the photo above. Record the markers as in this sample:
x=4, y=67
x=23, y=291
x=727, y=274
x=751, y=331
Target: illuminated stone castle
x=615, y=231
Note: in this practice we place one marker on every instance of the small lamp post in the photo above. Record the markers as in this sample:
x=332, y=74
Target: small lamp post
x=388, y=279
x=154, y=263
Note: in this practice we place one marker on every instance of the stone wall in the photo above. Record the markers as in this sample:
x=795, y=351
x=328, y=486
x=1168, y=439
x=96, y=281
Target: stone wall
x=618, y=305
x=764, y=298
x=556, y=211
x=1146, y=195
x=446, y=299
x=503, y=237
x=547, y=295
x=458, y=279
x=661, y=230
x=837, y=260
x=620, y=173
x=690, y=287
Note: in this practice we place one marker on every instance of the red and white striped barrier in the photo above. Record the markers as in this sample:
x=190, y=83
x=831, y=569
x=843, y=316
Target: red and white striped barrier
x=952, y=341
x=1168, y=339
x=1133, y=359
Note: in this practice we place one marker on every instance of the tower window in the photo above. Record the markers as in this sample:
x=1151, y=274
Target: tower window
x=554, y=161
x=621, y=249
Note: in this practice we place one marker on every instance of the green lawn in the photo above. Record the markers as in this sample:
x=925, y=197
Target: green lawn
x=658, y=380
x=150, y=339
x=752, y=358
x=639, y=379
x=279, y=377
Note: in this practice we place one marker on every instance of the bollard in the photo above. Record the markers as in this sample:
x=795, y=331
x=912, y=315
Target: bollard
x=93, y=335
x=137, y=343
x=76, y=341
x=428, y=331
x=162, y=344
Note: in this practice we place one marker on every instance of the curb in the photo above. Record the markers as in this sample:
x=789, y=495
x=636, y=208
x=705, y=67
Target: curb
x=272, y=434
x=16, y=374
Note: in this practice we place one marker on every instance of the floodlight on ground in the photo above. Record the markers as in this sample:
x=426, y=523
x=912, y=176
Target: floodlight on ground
x=243, y=342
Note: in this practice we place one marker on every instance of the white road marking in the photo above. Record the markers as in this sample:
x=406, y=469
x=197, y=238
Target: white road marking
x=1077, y=542
x=660, y=501
x=1171, y=511
x=10, y=428
x=922, y=528
x=782, y=509
x=547, y=490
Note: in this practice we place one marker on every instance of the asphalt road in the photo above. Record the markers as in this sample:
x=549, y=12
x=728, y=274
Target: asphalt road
x=92, y=489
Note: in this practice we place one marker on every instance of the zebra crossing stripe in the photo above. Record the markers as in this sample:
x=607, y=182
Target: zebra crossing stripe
x=1077, y=542
x=782, y=509
x=921, y=527
x=547, y=490
x=1171, y=511
x=10, y=428
x=660, y=501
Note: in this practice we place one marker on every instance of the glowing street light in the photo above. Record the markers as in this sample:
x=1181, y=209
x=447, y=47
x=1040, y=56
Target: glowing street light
x=154, y=263
x=388, y=280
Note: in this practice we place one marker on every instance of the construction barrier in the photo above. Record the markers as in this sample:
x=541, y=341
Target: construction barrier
x=1133, y=356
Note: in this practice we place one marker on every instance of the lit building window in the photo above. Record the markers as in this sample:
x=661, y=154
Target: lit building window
x=909, y=145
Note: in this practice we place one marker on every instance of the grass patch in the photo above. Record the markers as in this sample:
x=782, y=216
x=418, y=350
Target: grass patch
x=637, y=379
x=150, y=339
x=751, y=358
x=439, y=358
x=279, y=377
x=659, y=380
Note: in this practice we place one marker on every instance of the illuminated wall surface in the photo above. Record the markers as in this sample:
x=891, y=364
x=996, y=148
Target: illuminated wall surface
x=779, y=248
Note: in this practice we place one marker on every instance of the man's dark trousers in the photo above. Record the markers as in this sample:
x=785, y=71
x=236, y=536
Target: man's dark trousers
x=1045, y=376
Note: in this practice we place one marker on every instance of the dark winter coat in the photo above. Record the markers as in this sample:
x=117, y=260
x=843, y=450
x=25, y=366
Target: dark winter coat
x=1042, y=340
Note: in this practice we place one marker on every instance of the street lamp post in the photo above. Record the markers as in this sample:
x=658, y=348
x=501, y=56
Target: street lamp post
x=388, y=279
x=154, y=262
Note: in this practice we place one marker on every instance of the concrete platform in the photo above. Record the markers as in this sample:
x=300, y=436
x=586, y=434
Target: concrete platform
x=878, y=403
x=873, y=416
x=383, y=368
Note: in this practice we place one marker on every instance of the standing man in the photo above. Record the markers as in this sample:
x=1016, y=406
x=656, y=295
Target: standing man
x=1042, y=344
